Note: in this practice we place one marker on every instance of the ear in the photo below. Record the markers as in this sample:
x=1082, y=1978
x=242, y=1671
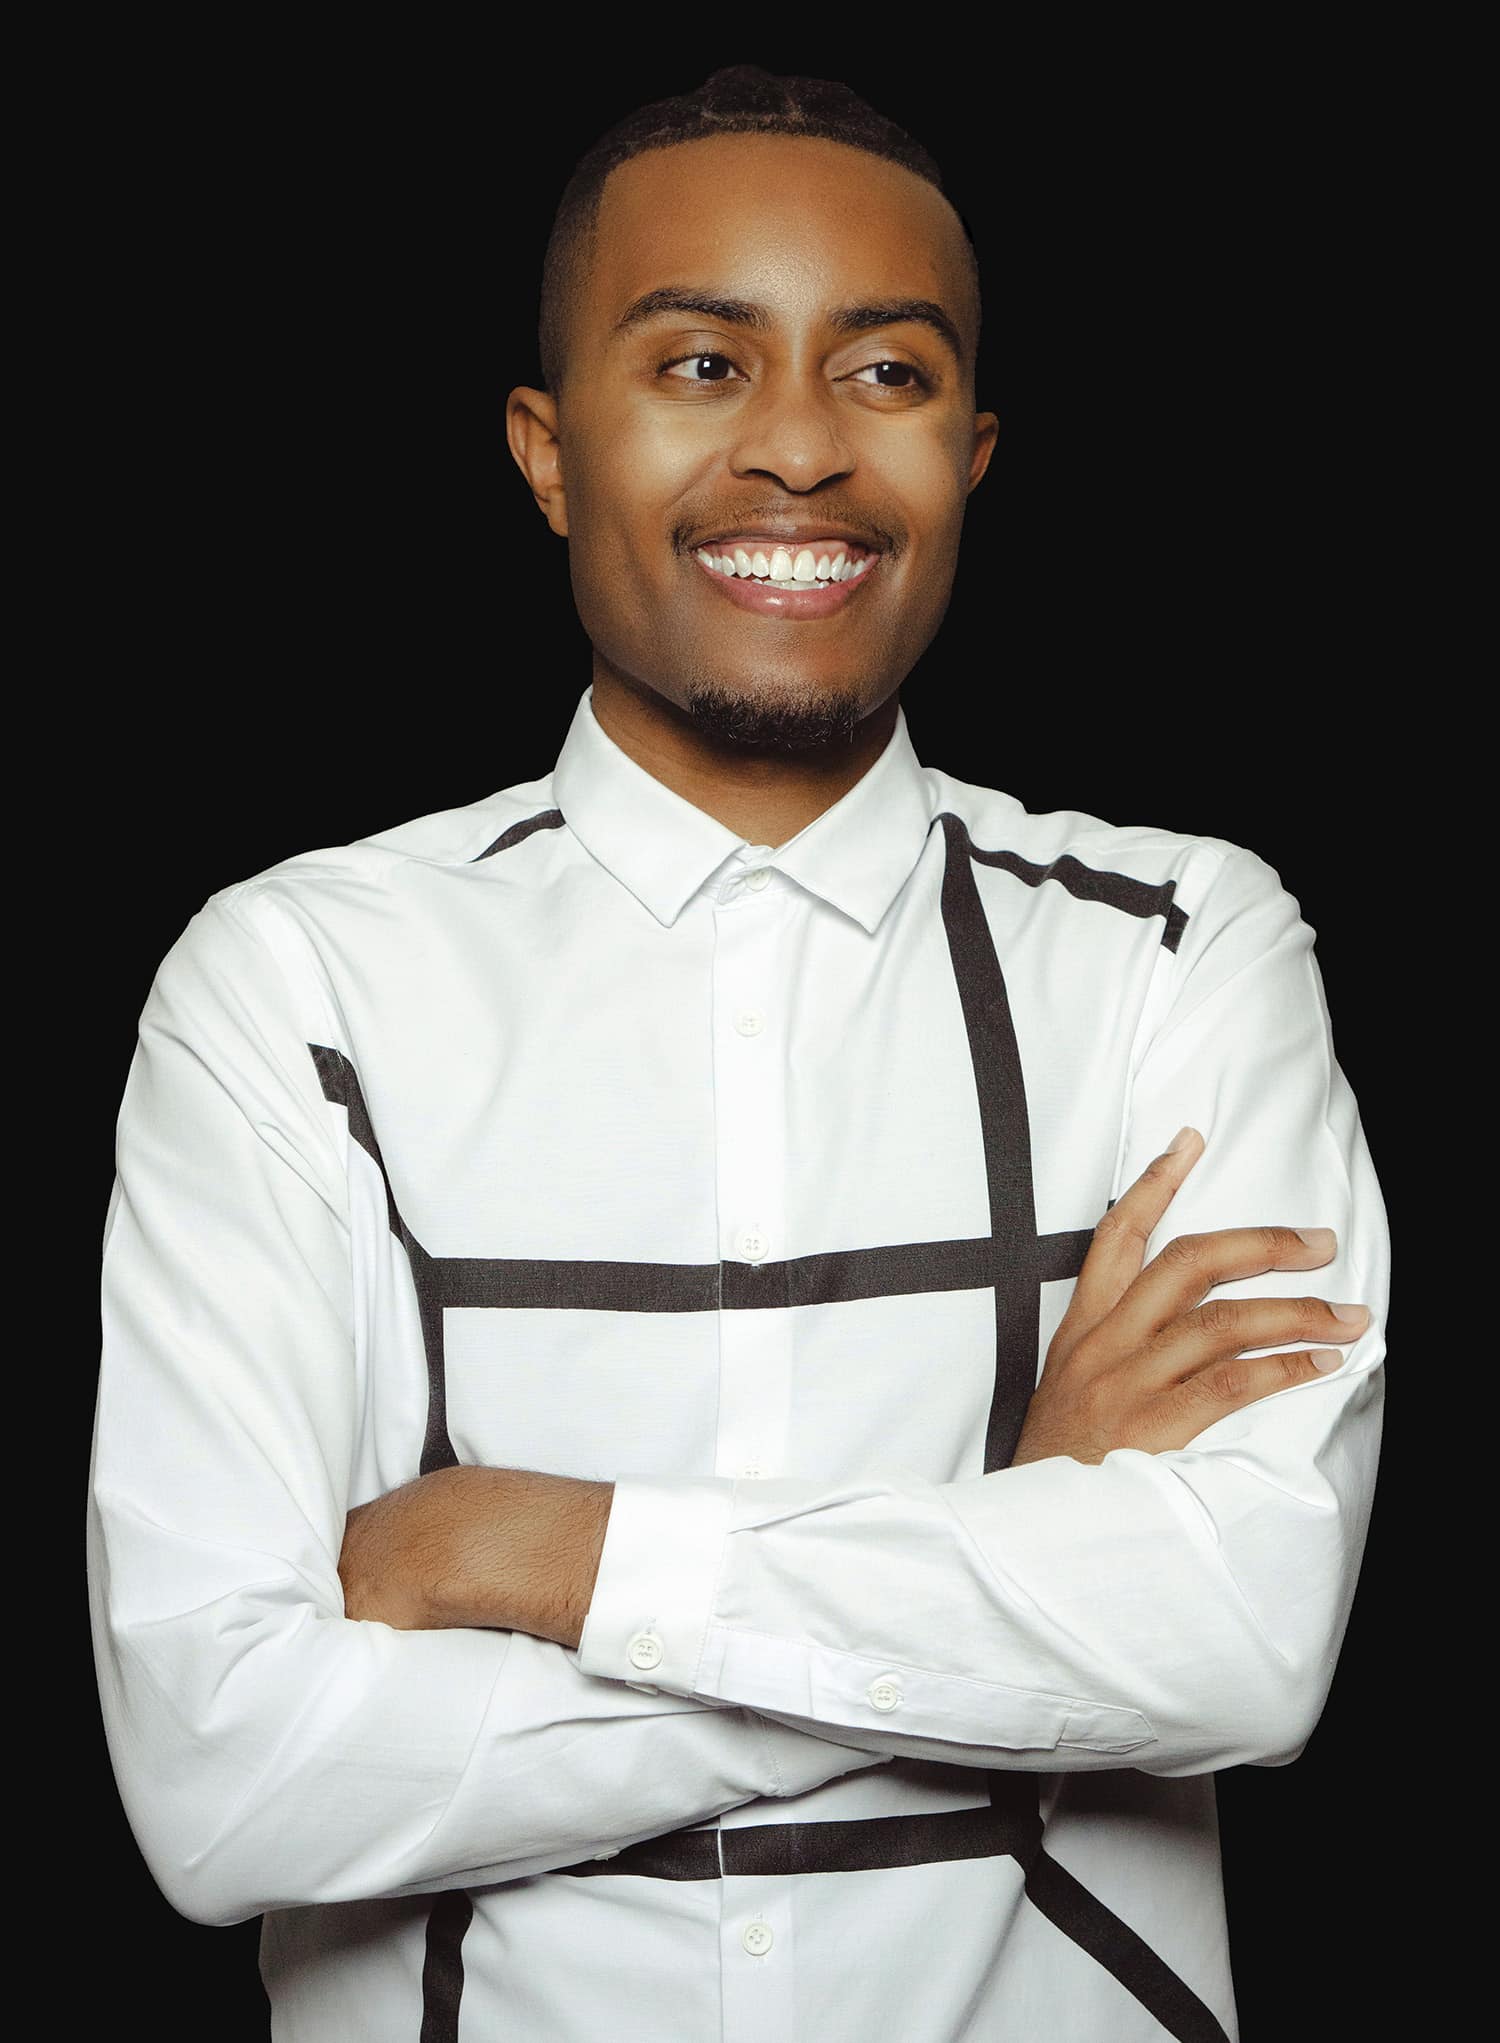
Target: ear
x=986, y=431
x=531, y=430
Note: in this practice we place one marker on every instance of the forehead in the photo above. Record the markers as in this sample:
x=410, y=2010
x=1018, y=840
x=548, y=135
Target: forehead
x=796, y=221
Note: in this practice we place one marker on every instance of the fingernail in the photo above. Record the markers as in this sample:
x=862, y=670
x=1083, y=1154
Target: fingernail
x=1326, y=1359
x=1323, y=1239
x=1352, y=1313
x=1181, y=1140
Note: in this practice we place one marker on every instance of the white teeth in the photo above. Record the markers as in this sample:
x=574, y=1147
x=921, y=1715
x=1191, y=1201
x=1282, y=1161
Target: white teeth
x=806, y=571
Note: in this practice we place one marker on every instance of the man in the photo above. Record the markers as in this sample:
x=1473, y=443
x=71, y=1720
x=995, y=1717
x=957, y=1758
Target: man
x=730, y=1374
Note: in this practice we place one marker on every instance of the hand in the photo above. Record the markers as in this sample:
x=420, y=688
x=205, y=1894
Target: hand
x=1137, y=1360
x=505, y=1548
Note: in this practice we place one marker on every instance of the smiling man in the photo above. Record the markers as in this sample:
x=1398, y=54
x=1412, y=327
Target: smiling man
x=730, y=1374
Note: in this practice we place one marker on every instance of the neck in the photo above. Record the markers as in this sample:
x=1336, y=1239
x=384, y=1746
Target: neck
x=764, y=797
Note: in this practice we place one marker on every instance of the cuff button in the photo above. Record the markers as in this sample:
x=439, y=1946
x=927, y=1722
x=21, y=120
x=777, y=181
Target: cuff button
x=644, y=1650
x=884, y=1694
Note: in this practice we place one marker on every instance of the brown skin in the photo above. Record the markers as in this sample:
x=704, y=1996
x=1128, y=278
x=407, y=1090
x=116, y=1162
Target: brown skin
x=635, y=466
x=634, y=463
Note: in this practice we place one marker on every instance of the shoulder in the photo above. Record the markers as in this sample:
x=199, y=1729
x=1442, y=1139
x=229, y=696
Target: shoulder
x=373, y=874
x=1213, y=879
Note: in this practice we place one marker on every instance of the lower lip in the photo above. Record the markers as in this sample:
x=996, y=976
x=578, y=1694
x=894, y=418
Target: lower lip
x=770, y=600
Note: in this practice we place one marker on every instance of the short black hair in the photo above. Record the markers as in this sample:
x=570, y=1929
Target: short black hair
x=741, y=99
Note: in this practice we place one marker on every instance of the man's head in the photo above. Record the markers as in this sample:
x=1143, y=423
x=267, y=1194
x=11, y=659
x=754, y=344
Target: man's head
x=759, y=322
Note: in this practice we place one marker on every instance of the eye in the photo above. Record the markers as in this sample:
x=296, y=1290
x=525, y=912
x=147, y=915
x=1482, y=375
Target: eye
x=918, y=380
x=694, y=362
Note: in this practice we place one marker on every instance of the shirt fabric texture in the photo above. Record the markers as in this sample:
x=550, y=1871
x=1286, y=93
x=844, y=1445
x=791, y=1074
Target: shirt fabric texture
x=567, y=1130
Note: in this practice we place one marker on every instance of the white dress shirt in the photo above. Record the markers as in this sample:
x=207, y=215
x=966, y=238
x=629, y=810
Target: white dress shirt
x=569, y=1131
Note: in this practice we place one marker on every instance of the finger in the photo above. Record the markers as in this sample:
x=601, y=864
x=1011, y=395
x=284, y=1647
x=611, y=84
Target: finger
x=1245, y=1379
x=1182, y=1273
x=1118, y=1248
x=1216, y=1331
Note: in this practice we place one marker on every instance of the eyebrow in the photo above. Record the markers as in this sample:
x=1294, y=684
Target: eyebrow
x=760, y=319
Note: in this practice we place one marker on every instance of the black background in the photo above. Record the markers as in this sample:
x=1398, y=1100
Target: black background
x=330, y=604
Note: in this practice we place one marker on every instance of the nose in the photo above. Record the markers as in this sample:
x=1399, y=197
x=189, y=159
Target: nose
x=793, y=432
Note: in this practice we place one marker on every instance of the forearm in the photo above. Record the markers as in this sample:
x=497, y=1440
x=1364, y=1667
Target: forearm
x=488, y=1548
x=272, y=1753
x=1172, y=1613
x=1060, y=1617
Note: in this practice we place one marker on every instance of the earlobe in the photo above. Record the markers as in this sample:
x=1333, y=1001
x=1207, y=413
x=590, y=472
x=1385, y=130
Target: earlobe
x=531, y=431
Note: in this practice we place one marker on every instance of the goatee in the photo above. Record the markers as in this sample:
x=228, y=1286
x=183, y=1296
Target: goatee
x=757, y=726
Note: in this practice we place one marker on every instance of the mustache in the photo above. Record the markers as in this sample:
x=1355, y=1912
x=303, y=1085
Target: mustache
x=862, y=529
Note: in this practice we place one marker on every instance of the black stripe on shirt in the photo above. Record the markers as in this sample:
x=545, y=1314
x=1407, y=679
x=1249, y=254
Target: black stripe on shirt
x=1009, y=1826
x=1088, y=883
x=443, y=1966
x=1006, y=1131
x=549, y=819
x=516, y=1283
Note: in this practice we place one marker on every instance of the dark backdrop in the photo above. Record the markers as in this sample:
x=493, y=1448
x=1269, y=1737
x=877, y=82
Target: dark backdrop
x=330, y=604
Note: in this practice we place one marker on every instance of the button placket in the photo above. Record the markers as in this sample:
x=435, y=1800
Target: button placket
x=751, y=946
x=757, y=1952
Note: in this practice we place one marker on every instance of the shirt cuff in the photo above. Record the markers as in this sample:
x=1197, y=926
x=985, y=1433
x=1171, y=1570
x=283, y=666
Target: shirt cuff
x=653, y=1594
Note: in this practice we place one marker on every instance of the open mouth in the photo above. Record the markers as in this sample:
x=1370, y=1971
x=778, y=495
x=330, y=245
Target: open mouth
x=784, y=581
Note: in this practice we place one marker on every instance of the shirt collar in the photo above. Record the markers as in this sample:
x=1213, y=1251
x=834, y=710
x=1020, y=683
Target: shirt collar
x=857, y=855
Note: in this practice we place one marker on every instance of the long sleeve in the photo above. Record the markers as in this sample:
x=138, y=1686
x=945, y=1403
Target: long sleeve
x=269, y=1751
x=1175, y=1612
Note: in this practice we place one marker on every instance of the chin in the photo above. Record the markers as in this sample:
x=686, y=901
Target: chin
x=754, y=722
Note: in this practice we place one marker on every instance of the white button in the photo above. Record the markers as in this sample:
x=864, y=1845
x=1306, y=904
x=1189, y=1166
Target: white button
x=753, y=1245
x=757, y=879
x=750, y=1023
x=751, y=1469
x=644, y=1650
x=885, y=1694
x=757, y=1938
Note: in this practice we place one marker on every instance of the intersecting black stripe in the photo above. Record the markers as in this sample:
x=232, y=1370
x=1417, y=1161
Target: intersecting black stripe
x=835, y=1277
x=519, y=1283
x=1010, y=1826
x=443, y=1966
x=1006, y=1132
x=549, y=819
x=340, y=1083
x=1088, y=883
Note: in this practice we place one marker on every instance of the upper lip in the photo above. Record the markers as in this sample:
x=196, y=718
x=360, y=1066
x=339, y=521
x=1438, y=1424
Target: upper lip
x=784, y=533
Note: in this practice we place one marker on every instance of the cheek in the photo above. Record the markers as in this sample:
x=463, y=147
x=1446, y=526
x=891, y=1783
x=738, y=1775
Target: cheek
x=625, y=496
x=929, y=477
